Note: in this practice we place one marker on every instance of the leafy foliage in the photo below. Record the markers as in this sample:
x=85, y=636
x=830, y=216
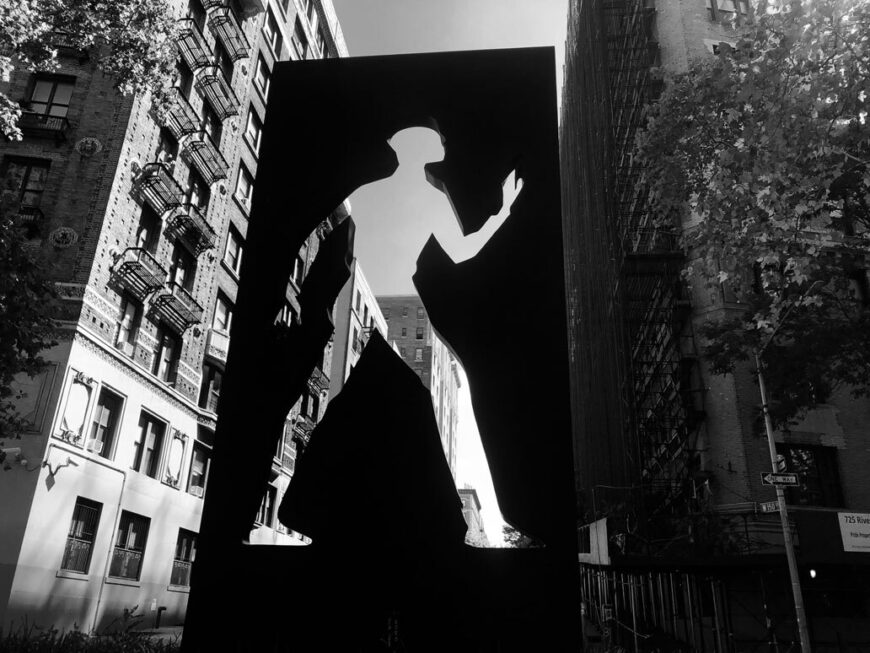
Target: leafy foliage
x=760, y=157
x=26, y=328
x=514, y=539
x=31, y=639
x=131, y=40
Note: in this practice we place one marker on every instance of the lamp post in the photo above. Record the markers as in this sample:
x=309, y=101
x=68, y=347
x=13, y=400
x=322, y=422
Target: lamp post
x=800, y=612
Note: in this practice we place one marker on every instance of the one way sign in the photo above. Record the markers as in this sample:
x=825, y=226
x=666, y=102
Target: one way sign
x=769, y=478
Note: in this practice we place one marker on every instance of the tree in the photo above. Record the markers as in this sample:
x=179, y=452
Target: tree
x=759, y=157
x=133, y=41
x=514, y=539
x=26, y=328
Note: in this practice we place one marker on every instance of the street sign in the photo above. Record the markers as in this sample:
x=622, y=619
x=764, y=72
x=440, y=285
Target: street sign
x=769, y=506
x=769, y=478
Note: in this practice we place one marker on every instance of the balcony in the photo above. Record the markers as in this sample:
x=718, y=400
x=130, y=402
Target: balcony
x=156, y=186
x=66, y=46
x=200, y=151
x=248, y=7
x=138, y=272
x=40, y=124
x=191, y=44
x=318, y=381
x=181, y=119
x=302, y=430
x=224, y=24
x=214, y=86
x=177, y=307
x=217, y=346
x=190, y=226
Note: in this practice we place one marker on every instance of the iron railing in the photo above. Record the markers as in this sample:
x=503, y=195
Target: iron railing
x=138, y=272
x=214, y=86
x=156, y=186
x=177, y=307
x=224, y=24
x=126, y=563
x=192, y=45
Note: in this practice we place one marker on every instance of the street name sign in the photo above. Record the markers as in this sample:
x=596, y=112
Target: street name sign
x=855, y=531
x=770, y=478
x=769, y=506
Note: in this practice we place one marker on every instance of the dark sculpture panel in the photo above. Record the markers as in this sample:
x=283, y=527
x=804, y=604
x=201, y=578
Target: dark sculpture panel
x=387, y=560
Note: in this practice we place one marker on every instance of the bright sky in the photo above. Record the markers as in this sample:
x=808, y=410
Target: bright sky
x=395, y=217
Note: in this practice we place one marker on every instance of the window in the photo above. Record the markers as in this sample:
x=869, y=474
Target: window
x=167, y=147
x=196, y=12
x=402, y=351
x=253, y=130
x=420, y=314
x=233, y=253
x=107, y=415
x=309, y=10
x=223, y=314
x=51, y=95
x=185, y=552
x=320, y=39
x=300, y=41
x=82, y=533
x=211, y=124
x=24, y=181
x=298, y=271
x=285, y=6
x=129, y=546
x=244, y=187
x=418, y=354
x=716, y=7
x=210, y=391
x=199, y=463
x=167, y=355
x=148, y=231
x=147, y=448
x=419, y=334
x=272, y=34
x=818, y=475
x=404, y=311
x=262, y=77
x=365, y=315
x=404, y=332
x=358, y=301
x=182, y=268
x=128, y=326
x=310, y=406
x=287, y=315
x=183, y=78
x=197, y=193
x=222, y=60
x=266, y=513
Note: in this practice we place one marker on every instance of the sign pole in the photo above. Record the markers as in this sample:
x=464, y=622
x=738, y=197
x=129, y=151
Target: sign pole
x=800, y=613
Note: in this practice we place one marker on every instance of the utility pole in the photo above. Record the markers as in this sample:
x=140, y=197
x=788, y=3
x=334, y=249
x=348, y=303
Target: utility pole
x=783, y=516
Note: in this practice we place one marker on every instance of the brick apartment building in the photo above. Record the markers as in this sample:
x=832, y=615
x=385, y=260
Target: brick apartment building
x=145, y=228
x=357, y=315
x=426, y=354
x=669, y=457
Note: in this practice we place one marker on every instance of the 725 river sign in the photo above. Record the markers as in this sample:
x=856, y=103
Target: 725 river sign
x=771, y=478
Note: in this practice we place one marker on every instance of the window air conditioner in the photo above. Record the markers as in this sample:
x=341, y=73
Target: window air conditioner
x=126, y=347
x=94, y=445
x=196, y=490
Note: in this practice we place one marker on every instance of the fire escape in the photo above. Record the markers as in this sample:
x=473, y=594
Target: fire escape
x=663, y=391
